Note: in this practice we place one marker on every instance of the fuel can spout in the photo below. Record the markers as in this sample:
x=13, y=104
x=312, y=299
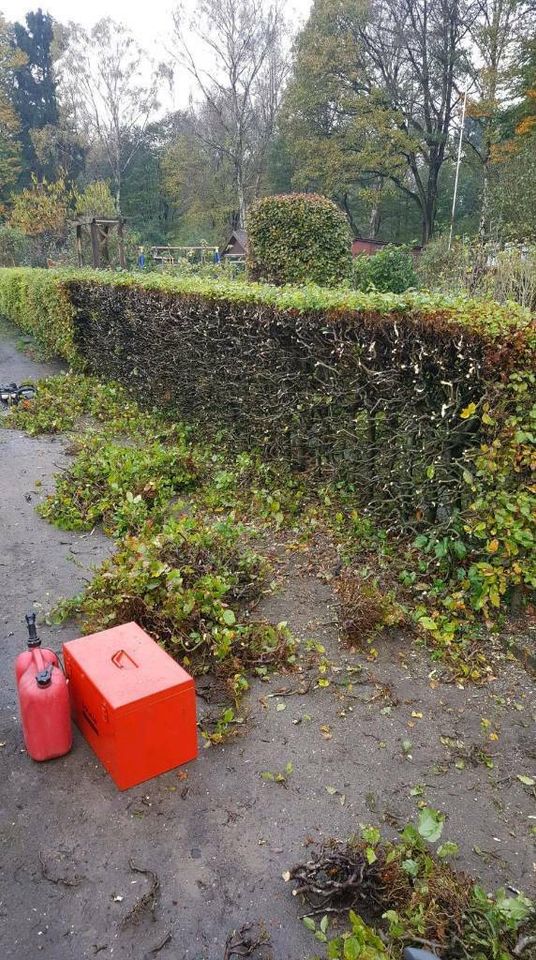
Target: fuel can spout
x=33, y=639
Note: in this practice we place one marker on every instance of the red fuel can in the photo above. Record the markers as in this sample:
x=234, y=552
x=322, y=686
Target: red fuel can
x=133, y=703
x=43, y=700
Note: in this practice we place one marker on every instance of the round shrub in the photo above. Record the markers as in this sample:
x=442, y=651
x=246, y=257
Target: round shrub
x=298, y=238
x=389, y=271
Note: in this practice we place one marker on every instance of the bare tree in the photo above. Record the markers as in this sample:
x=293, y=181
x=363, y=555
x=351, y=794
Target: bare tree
x=110, y=87
x=415, y=53
x=234, y=51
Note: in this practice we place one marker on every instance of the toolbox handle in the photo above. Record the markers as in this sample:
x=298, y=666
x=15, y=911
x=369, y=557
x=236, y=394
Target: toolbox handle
x=123, y=660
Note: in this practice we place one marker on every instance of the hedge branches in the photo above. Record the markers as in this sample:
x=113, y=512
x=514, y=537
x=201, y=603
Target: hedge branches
x=419, y=408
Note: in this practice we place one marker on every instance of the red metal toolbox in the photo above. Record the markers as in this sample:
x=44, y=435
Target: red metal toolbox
x=133, y=703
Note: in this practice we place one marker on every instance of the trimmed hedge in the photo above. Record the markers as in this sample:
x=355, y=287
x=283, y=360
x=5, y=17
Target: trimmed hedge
x=298, y=238
x=39, y=304
x=422, y=405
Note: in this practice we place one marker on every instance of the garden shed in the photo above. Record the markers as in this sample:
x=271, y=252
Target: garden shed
x=237, y=246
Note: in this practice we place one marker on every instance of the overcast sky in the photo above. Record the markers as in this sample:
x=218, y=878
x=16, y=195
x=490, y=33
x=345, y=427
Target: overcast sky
x=149, y=21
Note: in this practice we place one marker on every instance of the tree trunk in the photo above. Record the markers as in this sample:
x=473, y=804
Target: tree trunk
x=374, y=222
x=241, y=198
x=428, y=208
x=118, y=196
x=484, y=210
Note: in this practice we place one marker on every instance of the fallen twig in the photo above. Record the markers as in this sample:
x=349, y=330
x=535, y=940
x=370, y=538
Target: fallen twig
x=290, y=691
x=161, y=943
x=149, y=899
x=240, y=944
x=63, y=880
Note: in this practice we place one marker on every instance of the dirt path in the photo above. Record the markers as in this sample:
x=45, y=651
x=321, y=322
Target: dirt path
x=220, y=839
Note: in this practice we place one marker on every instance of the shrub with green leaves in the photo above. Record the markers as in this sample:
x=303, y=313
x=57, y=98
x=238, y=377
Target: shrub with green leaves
x=298, y=238
x=15, y=247
x=389, y=270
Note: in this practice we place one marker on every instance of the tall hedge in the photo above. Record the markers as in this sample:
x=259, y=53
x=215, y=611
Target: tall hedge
x=298, y=238
x=423, y=406
x=38, y=304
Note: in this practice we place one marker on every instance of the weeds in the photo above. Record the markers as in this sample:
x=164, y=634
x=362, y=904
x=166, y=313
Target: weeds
x=365, y=611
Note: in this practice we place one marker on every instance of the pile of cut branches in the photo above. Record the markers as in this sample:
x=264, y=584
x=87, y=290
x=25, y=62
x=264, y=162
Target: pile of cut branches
x=413, y=896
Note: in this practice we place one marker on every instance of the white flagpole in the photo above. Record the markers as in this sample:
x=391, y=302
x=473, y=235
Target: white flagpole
x=458, y=161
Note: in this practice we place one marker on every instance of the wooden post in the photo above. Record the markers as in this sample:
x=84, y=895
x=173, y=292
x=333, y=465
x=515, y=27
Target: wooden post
x=105, y=250
x=79, y=245
x=121, y=244
x=95, y=243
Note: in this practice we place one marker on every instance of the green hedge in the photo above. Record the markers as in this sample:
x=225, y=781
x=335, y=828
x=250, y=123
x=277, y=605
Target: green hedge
x=422, y=405
x=38, y=303
x=298, y=238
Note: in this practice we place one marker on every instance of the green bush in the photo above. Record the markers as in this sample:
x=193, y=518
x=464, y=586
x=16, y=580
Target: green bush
x=117, y=484
x=480, y=269
x=298, y=238
x=35, y=302
x=390, y=270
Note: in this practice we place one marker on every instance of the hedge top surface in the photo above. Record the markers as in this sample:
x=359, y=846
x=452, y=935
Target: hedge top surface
x=490, y=320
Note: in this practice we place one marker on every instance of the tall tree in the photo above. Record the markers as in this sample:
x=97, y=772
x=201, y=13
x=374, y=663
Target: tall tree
x=34, y=94
x=498, y=32
x=234, y=51
x=110, y=87
x=391, y=81
x=198, y=182
x=512, y=194
x=10, y=150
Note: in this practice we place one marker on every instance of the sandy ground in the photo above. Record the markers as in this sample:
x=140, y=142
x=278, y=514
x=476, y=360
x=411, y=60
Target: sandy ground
x=220, y=838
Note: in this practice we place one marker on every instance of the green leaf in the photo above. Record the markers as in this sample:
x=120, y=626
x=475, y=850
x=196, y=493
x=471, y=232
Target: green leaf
x=427, y=623
x=528, y=781
x=448, y=849
x=371, y=835
x=309, y=923
x=430, y=824
x=229, y=617
x=410, y=867
x=352, y=949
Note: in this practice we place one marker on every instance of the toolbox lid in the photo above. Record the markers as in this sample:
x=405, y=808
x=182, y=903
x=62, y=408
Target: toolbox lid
x=126, y=665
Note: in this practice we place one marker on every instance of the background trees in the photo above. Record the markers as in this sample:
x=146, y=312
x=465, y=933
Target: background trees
x=111, y=88
x=10, y=144
x=35, y=91
x=379, y=85
x=362, y=105
x=239, y=69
